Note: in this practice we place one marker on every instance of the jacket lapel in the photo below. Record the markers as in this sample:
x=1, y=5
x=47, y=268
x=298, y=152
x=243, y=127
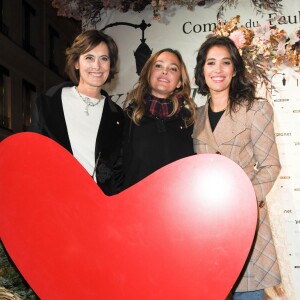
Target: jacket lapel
x=203, y=131
x=109, y=129
x=230, y=126
x=54, y=117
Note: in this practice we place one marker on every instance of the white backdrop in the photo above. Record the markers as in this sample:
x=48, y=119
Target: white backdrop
x=185, y=30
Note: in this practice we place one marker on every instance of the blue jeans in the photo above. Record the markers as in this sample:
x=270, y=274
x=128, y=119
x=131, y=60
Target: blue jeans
x=255, y=295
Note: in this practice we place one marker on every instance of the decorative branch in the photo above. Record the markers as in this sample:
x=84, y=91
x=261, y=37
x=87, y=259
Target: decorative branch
x=264, y=48
x=92, y=9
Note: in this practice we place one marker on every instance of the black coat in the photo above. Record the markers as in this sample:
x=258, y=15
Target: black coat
x=152, y=145
x=48, y=119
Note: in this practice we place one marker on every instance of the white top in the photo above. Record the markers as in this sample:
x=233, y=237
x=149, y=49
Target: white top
x=82, y=128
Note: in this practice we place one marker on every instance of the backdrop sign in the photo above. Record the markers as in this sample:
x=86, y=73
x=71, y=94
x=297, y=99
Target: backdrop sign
x=181, y=29
x=185, y=30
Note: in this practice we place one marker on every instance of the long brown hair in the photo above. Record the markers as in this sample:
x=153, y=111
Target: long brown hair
x=143, y=86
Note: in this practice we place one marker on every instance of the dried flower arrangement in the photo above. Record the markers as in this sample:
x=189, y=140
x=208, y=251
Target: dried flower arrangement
x=263, y=48
x=92, y=9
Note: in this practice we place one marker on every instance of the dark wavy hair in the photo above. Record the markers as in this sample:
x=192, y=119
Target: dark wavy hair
x=242, y=90
x=85, y=42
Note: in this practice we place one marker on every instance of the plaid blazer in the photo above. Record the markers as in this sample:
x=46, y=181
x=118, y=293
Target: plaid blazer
x=247, y=137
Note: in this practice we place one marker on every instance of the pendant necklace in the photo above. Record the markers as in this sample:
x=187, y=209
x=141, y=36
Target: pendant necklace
x=88, y=101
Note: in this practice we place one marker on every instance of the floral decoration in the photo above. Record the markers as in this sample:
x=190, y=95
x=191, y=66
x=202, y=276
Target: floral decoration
x=92, y=9
x=263, y=48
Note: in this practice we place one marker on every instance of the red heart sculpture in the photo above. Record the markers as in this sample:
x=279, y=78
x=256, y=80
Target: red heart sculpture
x=182, y=233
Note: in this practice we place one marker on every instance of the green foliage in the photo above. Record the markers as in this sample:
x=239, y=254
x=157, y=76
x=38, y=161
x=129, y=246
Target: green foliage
x=11, y=279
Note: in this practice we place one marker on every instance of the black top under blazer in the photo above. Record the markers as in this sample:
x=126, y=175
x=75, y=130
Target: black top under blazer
x=48, y=119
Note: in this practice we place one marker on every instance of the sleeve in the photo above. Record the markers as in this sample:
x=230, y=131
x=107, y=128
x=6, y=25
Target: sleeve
x=110, y=179
x=117, y=178
x=110, y=173
x=265, y=150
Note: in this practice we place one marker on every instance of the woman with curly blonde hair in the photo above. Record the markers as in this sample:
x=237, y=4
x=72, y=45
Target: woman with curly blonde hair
x=159, y=117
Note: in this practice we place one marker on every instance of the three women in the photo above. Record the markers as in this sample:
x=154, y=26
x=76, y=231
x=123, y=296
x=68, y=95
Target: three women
x=159, y=121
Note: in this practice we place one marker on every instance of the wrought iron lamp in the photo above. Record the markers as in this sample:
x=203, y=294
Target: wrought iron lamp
x=283, y=80
x=143, y=52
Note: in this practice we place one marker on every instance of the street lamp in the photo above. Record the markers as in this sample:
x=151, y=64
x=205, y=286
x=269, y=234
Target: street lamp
x=283, y=80
x=143, y=52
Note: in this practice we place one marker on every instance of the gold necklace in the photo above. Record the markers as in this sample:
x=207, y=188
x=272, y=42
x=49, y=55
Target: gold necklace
x=88, y=101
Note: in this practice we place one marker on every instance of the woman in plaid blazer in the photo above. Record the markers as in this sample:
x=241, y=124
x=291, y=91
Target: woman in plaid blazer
x=236, y=124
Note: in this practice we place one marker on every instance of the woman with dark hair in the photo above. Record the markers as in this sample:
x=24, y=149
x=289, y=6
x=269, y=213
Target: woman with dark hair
x=159, y=117
x=80, y=115
x=236, y=124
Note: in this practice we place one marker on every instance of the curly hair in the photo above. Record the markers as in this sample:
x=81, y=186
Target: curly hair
x=242, y=90
x=85, y=42
x=143, y=86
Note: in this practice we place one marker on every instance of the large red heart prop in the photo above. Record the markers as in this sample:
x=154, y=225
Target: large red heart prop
x=182, y=233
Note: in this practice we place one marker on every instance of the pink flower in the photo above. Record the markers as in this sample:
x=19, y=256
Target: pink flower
x=281, y=48
x=238, y=38
x=106, y=3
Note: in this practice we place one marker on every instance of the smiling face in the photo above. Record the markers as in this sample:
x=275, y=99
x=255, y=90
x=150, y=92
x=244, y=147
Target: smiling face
x=94, y=67
x=165, y=75
x=218, y=70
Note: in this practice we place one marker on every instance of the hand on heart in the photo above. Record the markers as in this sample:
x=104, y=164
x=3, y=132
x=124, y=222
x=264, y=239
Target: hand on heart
x=183, y=232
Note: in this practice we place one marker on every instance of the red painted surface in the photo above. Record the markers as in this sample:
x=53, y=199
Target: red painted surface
x=182, y=233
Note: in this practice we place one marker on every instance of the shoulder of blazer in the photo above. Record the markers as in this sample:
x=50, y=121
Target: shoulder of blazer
x=113, y=106
x=53, y=93
x=259, y=104
x=202, y=109
x=261, y=107
x=51, y=115
x=53, y=90
x=200, y=117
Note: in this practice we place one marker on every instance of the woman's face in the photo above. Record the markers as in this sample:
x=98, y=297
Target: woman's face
x=94, y=66
x=218, y=70
x=165, y=75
